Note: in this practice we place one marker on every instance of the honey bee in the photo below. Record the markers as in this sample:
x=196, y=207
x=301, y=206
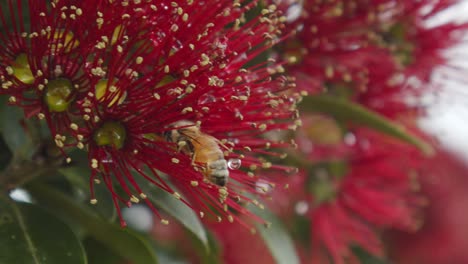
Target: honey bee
x=204, y=149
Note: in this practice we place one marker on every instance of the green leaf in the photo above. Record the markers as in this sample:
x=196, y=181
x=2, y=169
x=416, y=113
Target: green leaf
x=345, y=110
x=8, y=14
x=78, y=173
x=123, y=242
x=99, y=253
x=28, y=234
x=213, y=256
x=276, y=238
x=13, y=132
x=179, y=211
x=169, y=257
x=366, y=258
x=5, y=154
x=78, y=176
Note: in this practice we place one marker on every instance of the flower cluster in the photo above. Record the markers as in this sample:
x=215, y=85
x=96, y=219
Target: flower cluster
x=151, y=90
x=380, y=53
x=444, y=186
x=352, y=194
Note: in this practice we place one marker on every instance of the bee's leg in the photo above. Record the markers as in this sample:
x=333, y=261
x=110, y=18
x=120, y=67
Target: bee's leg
x=194, y=155
x=180, y=145
x=222, y=145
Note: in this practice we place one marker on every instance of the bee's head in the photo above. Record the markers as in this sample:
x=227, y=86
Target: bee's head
x=181, y=131
x=220, y=181
x=168, y=136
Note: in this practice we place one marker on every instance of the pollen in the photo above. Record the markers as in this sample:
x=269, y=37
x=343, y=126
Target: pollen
x=7, y=85
x=9, y=70
x=187, y=110
x=134, y=199
x=94, y=163
x=74, y=126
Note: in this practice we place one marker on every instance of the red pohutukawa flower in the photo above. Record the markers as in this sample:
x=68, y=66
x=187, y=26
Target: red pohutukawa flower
x=153, y=90
x=40, y=69
x=378, y=52
x=348, y=200
x=444, y=234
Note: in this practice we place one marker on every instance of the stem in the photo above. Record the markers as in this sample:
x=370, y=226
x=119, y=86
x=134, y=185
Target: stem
x=348, y=111
x=20, y=171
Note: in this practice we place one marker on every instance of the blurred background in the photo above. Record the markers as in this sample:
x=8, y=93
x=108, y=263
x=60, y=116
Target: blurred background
x=448, y=115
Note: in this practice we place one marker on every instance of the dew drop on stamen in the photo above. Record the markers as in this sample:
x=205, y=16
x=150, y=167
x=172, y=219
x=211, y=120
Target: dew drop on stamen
x=207, y=99
x=263, y=187
x=234, y=164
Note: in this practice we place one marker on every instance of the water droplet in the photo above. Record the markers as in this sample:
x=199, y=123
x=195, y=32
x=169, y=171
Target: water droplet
x=234, y=164
x=234, y=141
x=350, y=139
x=263, y=186
x=306, y=146
x=244, y=92
x=293, y=12
x=206, y=99
x=138, y=217
x=301, y=207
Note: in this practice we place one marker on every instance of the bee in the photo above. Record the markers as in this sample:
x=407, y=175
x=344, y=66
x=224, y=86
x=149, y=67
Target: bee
x=204, y=149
